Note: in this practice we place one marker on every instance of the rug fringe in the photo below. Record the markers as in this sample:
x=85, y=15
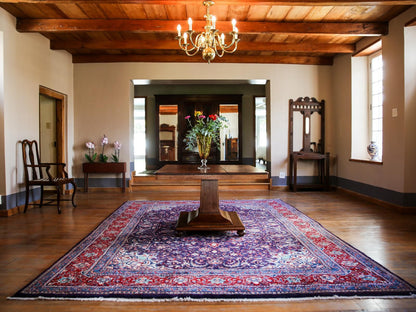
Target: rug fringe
x=189, y=299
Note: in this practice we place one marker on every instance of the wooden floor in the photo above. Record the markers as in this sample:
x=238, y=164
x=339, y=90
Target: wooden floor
x=31, y=242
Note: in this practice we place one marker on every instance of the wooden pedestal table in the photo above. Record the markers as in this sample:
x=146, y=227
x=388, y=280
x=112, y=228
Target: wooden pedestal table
x=209, y=216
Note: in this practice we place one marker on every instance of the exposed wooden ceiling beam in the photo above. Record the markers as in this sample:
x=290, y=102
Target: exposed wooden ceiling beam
x=225, y=2
x=280, y=59
x=173, y=45
x=411, y=23
x=372, y=48
x=71, y=25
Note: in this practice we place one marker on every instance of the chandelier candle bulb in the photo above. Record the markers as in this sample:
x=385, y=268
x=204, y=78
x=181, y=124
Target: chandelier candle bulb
x=179, y=30
x=190, y=23
x=214, y=20
x=222, y=38
x=185, y=38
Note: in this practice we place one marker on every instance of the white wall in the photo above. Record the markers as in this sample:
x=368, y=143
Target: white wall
x=28, y=63
x=2, y=162
x=103, y=98
x=410, y=108
x=396, y=141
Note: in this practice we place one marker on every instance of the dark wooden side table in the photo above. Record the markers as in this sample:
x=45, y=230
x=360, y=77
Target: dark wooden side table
x=119, y=167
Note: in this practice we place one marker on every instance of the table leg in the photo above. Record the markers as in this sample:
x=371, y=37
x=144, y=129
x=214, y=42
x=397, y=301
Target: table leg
x=290, y=183
x=209, y=216
x=124, y=182
x=327, y=171
x=295, y=173
x=85, y=182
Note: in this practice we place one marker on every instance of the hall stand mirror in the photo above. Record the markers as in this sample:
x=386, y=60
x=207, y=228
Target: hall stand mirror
x=307, y=141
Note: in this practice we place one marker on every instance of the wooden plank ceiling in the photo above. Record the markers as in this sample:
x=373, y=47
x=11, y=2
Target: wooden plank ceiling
x=286, y=32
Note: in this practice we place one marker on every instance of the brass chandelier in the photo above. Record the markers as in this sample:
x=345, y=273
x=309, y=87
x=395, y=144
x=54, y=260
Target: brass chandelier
x=210, y=42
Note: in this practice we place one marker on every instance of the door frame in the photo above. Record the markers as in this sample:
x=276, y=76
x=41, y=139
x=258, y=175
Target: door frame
x=61, y=102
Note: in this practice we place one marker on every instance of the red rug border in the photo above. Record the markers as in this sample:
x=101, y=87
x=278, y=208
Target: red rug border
x=192, y=297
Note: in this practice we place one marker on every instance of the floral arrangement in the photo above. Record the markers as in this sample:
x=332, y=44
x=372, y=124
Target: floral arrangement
x=91, y=156
x=204, y=129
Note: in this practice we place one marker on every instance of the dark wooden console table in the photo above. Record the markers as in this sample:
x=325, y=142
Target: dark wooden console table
x=209, y=216
x=119, y=167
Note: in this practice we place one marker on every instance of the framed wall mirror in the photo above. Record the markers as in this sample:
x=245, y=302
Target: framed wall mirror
x=229, y=137
x=168, y=132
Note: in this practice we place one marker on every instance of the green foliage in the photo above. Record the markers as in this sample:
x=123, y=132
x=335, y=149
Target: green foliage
x=114, y=157
x=103, y=158
x=91, y=158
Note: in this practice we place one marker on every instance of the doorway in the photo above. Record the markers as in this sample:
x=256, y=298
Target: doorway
x=52, y=126
x=47, y=130
x=172, y=127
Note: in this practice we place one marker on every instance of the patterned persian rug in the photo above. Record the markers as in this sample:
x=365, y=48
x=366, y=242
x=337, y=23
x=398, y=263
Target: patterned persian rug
x=135, y=254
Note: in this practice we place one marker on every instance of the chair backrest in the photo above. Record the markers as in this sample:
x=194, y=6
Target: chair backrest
x=30, y=153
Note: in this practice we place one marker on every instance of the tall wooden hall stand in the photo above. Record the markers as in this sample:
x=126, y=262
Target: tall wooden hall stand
x=310, y=151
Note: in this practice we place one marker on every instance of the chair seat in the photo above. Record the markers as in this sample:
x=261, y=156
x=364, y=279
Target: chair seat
x=54, y=181
x=35, y=172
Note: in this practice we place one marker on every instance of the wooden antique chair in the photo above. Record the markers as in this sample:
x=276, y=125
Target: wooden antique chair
x=38, y=174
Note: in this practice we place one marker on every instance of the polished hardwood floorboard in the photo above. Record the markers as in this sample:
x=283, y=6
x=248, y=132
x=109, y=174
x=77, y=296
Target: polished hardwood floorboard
x=31, y=242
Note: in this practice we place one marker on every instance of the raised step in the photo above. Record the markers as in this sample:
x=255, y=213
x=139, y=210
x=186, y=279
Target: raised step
x=149, y=182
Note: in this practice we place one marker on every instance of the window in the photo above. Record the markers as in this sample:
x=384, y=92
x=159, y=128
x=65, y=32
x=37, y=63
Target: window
x=139, y=134
x=367, y=103
x=261, y=130
x=376, y=100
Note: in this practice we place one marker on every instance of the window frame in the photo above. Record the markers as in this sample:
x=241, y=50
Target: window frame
x=361, y=104
x=145, y=131
x=370, y=129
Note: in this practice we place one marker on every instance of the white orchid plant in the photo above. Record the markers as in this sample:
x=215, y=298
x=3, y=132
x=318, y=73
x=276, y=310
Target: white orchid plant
x=117, y=148
x=91, y=156
x=102, y=157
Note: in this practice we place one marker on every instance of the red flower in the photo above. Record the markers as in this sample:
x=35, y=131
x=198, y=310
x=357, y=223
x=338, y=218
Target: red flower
x=213, y=117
